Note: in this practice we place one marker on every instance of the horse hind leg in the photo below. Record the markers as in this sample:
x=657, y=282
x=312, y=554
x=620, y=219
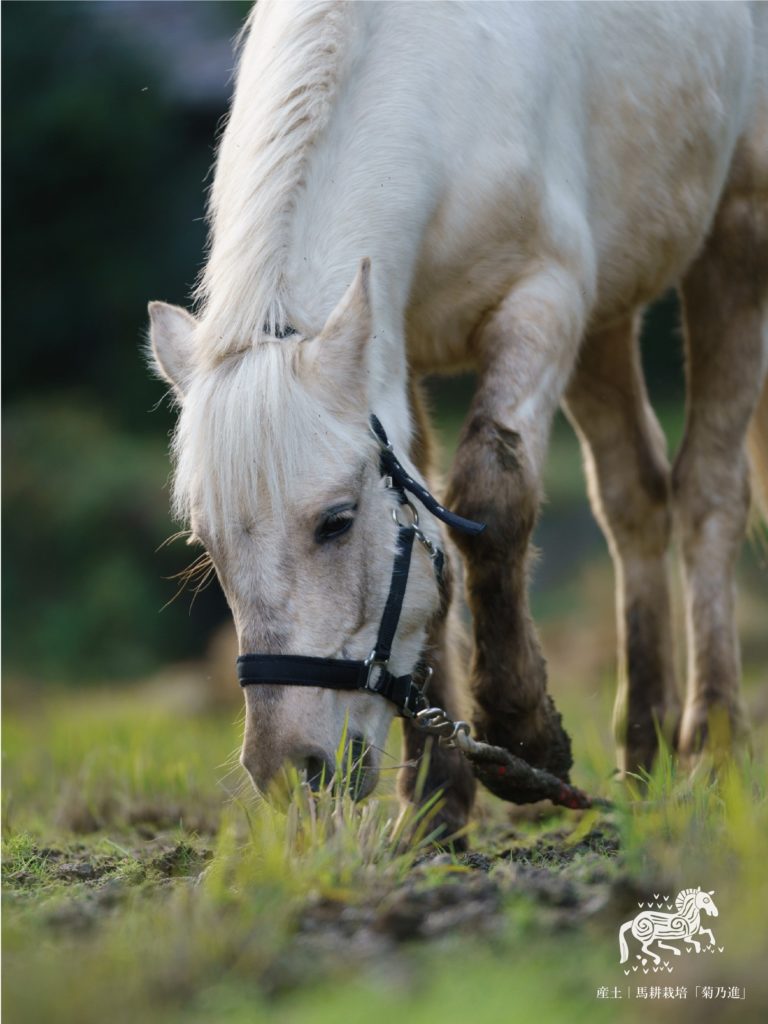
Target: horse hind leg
x=654, y=956
x=629, y=487
x=724, y=295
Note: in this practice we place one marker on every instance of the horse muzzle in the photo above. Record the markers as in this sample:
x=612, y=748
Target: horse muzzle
x=274, y=773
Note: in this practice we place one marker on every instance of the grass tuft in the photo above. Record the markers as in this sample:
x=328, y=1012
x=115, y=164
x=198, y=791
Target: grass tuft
x=183, y=903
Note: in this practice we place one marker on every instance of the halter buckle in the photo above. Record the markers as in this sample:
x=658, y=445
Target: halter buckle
x=372, y=663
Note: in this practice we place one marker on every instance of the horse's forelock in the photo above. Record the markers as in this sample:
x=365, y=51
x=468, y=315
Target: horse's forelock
x=249, y=432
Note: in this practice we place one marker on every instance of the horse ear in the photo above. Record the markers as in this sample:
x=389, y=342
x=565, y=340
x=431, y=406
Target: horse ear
x=711, y=892
x=338, y=356
x=171, y=332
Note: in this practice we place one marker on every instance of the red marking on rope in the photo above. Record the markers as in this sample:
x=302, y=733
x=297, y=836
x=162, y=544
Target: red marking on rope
x=571, y=797
x=501, y=769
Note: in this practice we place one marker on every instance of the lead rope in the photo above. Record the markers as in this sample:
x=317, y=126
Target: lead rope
x=505, y=775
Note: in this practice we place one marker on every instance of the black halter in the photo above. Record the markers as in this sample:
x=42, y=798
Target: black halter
x=372, y=674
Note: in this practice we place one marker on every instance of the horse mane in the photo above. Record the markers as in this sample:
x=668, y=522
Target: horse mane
x=290, y=68
x=684, y=897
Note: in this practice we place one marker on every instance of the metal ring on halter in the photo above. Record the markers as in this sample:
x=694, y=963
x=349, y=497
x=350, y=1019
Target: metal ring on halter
x=413, y=513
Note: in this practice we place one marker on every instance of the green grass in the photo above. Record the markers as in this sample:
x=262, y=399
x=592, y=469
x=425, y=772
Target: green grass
x=138, y=887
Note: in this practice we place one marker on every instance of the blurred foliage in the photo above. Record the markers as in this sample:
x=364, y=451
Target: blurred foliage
x=102, y=203
x=82, y=580
x=100, y=181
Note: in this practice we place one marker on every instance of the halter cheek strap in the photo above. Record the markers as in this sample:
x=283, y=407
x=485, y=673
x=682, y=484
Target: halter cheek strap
x=372, y=674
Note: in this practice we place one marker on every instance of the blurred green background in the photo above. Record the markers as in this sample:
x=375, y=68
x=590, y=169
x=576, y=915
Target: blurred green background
x=111, y=112
x=110, y=115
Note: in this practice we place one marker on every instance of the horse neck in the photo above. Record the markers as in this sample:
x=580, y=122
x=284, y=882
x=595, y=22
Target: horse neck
x=692, y=911
x=369, y=189
x=364, y=183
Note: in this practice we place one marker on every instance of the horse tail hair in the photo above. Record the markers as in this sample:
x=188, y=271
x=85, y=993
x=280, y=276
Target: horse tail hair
x=623, y=948
x=758, y=457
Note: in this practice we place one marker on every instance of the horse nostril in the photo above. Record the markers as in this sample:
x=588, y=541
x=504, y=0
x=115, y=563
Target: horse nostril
x=357, y=751
x=318, y=772
x=357, y=770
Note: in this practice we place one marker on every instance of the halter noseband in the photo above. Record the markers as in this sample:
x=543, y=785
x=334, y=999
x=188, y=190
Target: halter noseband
x=371, y=675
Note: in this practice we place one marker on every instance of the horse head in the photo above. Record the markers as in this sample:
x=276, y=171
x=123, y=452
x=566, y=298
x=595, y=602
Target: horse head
x=705, y=902
x=278, y=475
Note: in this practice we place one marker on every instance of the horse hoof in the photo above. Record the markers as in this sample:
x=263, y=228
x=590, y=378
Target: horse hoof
x=716, y=731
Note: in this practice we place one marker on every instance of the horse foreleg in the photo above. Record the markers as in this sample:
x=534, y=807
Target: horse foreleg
x=526, y=352
x=707, y=931
x=692, y=942
x=428, y=768
x=666, y=945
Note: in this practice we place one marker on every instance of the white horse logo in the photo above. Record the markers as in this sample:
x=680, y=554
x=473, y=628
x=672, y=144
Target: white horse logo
x=653, y=926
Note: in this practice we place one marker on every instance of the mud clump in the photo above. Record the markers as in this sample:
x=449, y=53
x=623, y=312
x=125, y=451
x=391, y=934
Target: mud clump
x=180, y=861
x=477, y=894
x=575, y=879
x=555, y=850
x=464, y=903
x=79, y=871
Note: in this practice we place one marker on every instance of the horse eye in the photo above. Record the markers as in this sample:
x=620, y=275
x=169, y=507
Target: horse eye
x=335, y=522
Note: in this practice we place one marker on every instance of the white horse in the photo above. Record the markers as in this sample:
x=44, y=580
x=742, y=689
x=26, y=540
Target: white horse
x=525, y=179
x=653, y=925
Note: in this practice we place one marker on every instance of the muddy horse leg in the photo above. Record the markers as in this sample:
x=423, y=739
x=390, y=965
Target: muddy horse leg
x=628, y=476
x=724, y=295
x=446, y=771
x=526, y=351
